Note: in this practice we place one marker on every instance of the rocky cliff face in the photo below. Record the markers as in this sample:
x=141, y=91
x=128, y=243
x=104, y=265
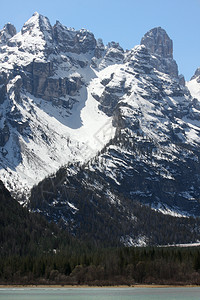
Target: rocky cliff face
x=7, y=33
x=196, y=74
x=160, y=46
x=158, y=42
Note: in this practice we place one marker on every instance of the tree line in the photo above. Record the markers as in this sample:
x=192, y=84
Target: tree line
x=104, y=267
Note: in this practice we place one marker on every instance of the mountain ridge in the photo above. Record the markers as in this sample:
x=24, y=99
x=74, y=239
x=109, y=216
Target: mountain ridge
x=126, y=117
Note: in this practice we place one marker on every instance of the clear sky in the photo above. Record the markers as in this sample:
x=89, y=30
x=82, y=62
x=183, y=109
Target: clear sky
x=123, y=21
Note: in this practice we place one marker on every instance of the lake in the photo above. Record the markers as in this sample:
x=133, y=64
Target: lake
x=99, y=293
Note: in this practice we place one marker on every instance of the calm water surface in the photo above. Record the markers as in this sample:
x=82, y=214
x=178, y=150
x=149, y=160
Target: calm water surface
x=99, y=293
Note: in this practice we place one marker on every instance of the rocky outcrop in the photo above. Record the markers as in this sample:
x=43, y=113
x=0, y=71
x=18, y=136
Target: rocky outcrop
x=70, y=40
x=160, y=45
x=114, y=51
x=112, y=54
x=100, y=49
x=7, y=33
x=181, y=79
x=196, y=74
x=158, y=42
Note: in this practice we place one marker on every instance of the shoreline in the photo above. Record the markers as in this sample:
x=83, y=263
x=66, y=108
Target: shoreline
x=57, y=286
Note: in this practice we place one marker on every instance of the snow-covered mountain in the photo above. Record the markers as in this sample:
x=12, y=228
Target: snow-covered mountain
x=127, y=116
x=48, y=114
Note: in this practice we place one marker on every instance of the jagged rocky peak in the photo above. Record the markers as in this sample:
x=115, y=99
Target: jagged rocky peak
x=115, y=45
x=35, y=37
x=115, y=51
x=70, y=40
x=86, y=40
x=7, y=32
x=196, y=74
x=100, y=44
x=37, y=22
x=100, y=48
x=64, y=37
x=160, y=46
x=158, y=42
x=181, y=79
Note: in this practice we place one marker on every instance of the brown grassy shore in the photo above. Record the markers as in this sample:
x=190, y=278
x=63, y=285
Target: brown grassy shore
x=88, y=286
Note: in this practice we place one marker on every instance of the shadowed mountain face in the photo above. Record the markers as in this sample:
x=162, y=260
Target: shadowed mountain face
x=126, y=117
x=25, y=233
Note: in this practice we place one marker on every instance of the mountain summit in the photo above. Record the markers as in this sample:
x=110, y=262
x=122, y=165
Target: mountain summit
x=158, y=42
x=160, y=46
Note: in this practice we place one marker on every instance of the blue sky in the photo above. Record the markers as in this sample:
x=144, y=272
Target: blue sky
x=123, y=21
